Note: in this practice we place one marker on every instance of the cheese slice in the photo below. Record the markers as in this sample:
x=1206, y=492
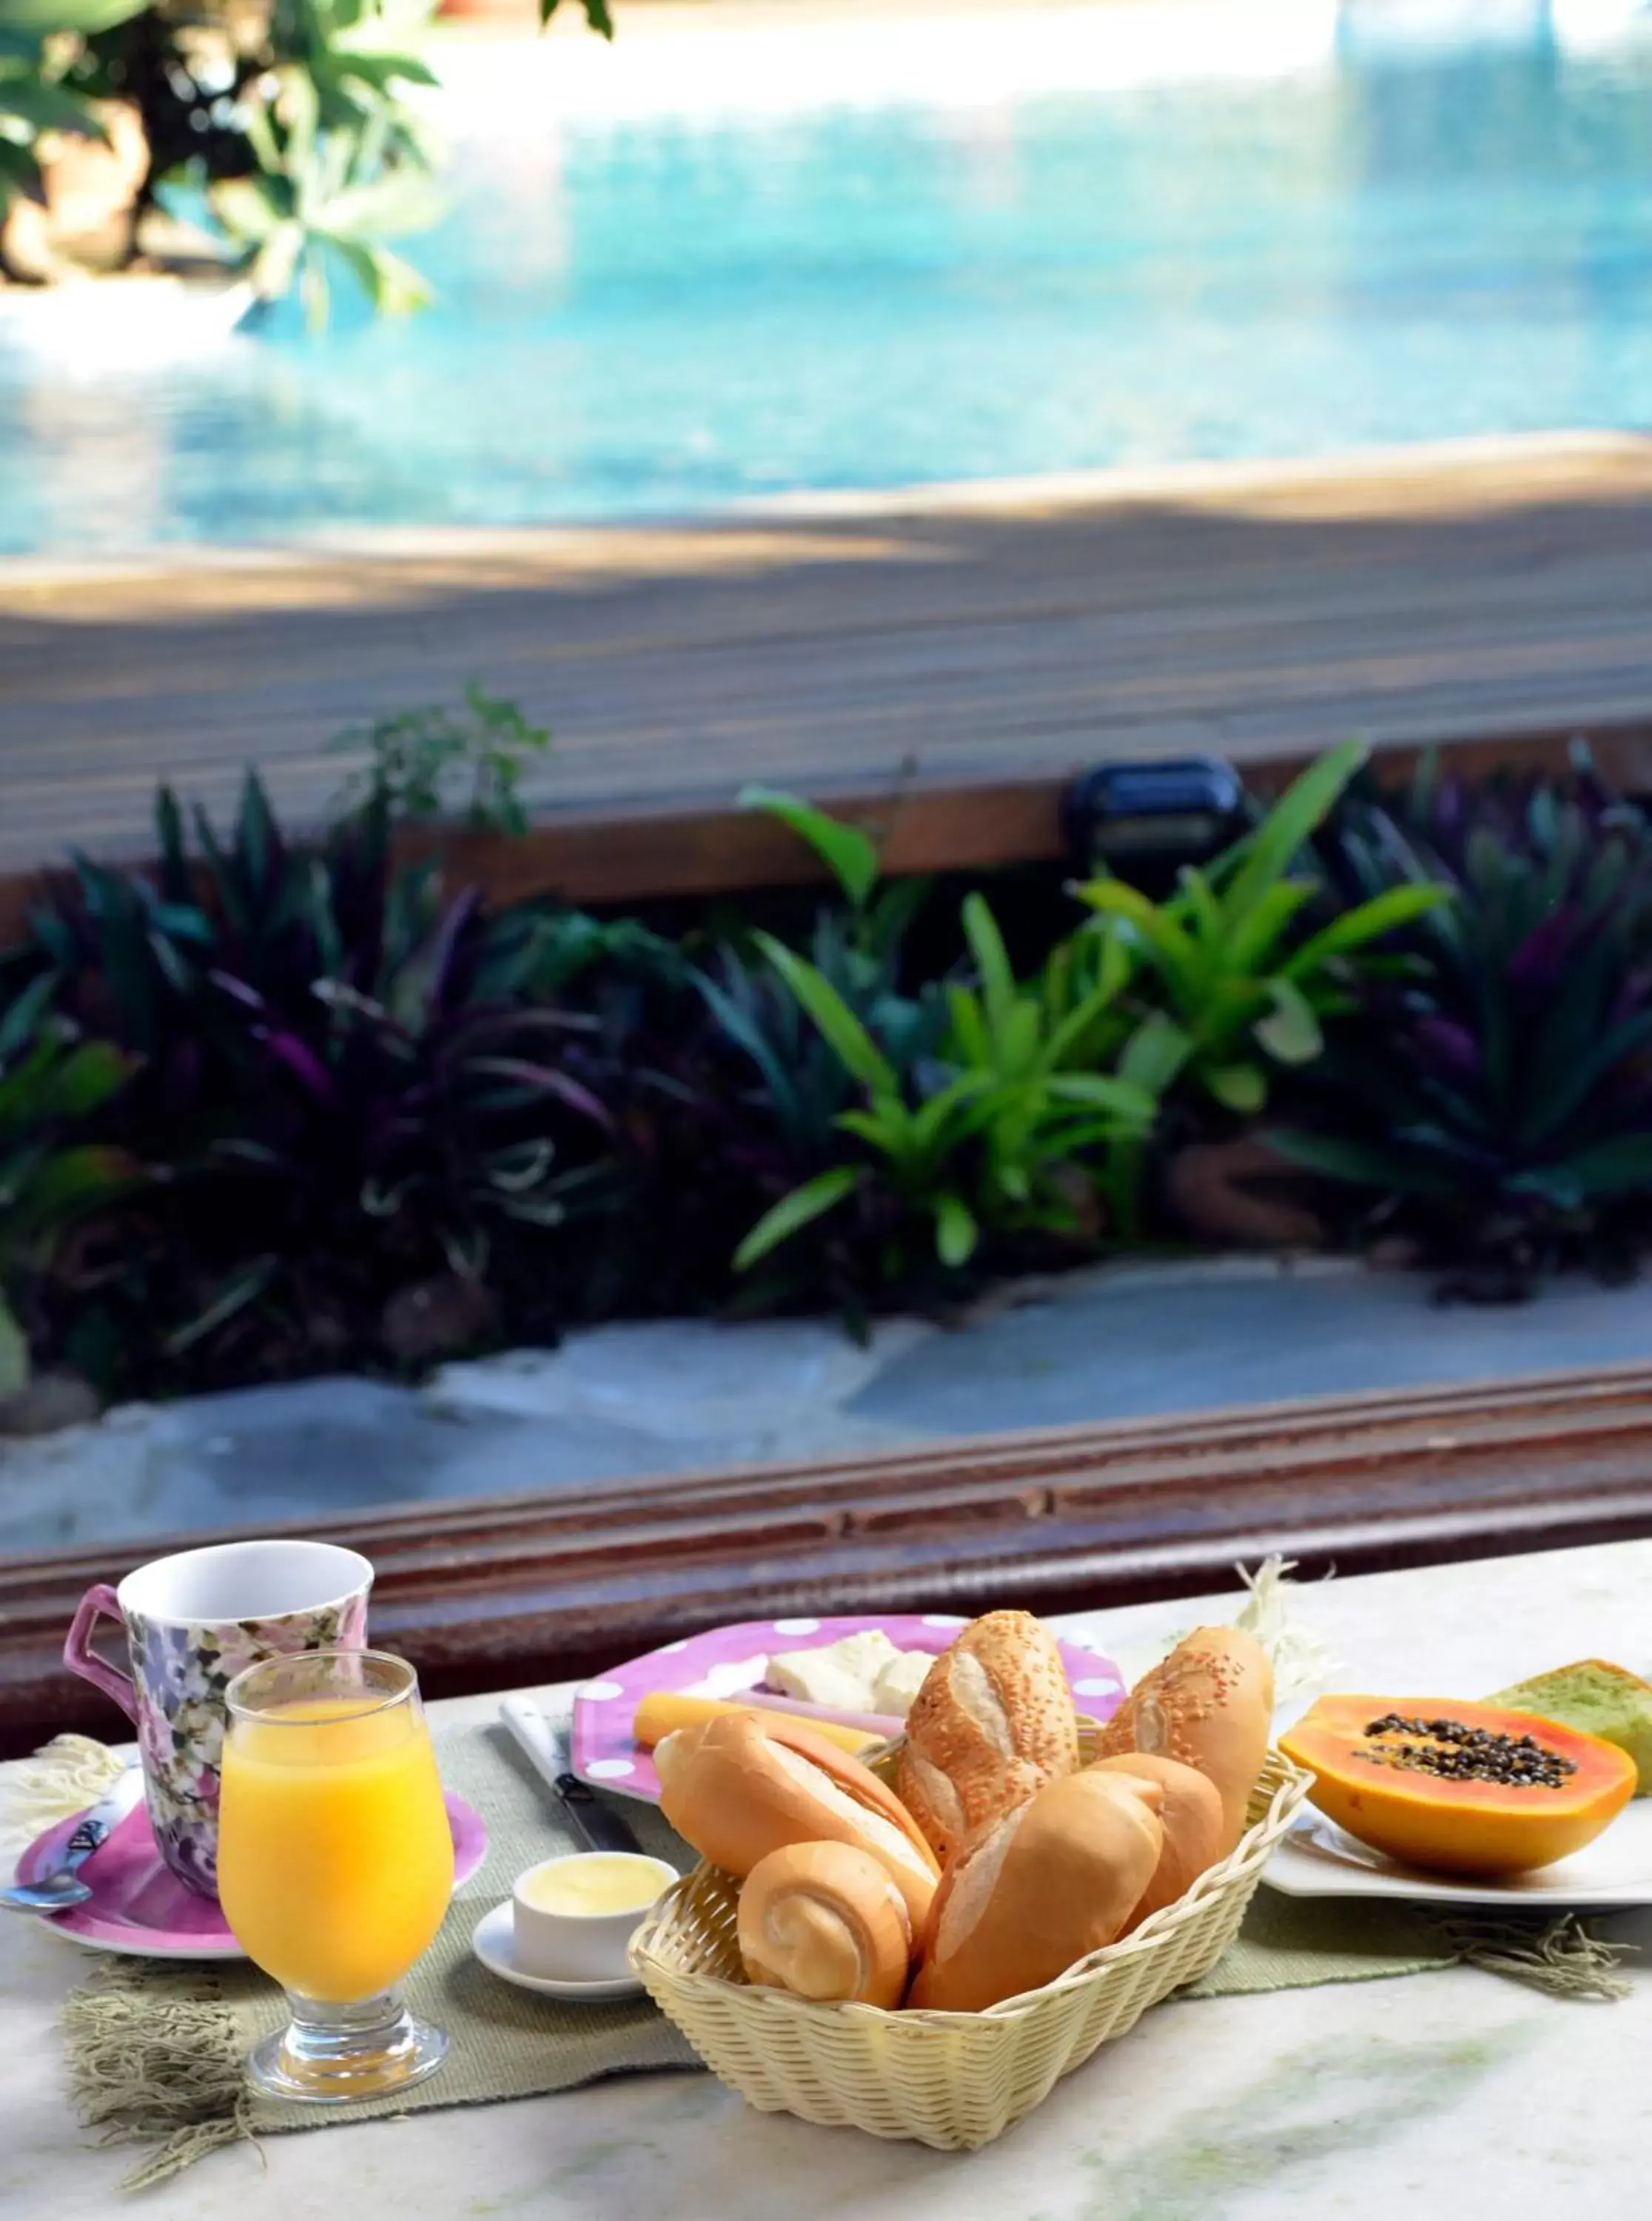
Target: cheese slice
x=896, y=1687
x=663, y=1712
x=842, y=1674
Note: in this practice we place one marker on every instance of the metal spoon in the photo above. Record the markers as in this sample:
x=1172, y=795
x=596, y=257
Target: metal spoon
x=57, y=1891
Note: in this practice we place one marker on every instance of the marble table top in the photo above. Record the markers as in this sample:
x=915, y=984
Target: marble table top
x=1447, y=2094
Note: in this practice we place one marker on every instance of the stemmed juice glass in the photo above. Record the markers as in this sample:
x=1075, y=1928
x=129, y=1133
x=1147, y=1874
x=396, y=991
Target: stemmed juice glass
x=335, y=1866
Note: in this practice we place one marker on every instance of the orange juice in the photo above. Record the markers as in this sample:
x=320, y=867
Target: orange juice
x=335, y=1862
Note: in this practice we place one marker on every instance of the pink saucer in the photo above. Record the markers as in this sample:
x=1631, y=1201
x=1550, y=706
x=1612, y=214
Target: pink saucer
x=726, y=1661
x=139, y=1907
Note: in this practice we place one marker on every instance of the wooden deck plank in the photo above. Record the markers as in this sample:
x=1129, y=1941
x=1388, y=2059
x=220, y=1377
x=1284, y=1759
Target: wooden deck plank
x=949, y=640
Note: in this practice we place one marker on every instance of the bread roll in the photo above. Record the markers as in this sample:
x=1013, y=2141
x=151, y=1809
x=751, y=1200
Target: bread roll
x=1210, y=1703
x=737, y=1790
x=991, y=1724
x=1194, y=1824
x=825, y=1921
x=1038, y=1890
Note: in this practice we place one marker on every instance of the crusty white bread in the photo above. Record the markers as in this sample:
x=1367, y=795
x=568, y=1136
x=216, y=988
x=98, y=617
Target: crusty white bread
x=993, y=1722
x=1210, y=1705
x=1038, y=1889
x=737, y=1788
x=1194, y=1824
x=825, y=1921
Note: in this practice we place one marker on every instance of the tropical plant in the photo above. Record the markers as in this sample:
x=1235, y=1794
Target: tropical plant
x=38, y=99
x=989, y=1144
x=914, y=1146
x=435, y=764
x=51, y=1084
x=1500, y=1090
x=1225, y=959
x=754, y=1090
x=878, y=912
x=340, y=161
x=349, y=1077
x=283, y=126
x=1074, y=1079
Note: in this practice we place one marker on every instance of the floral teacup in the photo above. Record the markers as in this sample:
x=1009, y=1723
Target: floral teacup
x=192, y=1623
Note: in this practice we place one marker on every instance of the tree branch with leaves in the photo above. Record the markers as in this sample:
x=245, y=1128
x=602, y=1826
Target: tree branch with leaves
x=286, y=124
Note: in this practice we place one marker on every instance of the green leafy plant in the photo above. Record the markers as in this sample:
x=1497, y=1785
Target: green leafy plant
x=992, y=1144
x=51, y=1086
x=281, y=133
x=878, y=912
x=37, y=100
x=1058, y=1122
x=351, y=1078
x=51, y=1083
x=436, y=764
x=856, y=947
x=1224, y=959
x=914, y=1145
x=341, y=162
x=1497, y=1094
x=735, y=1112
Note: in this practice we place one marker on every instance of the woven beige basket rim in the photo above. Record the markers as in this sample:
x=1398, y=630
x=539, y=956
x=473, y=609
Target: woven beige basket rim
x=1280, y=1789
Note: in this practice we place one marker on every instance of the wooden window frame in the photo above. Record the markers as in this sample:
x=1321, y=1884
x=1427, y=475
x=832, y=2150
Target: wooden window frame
x=511, y=1590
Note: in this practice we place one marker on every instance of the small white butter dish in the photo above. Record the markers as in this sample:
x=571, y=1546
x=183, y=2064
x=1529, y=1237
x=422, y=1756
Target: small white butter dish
x=575, y=1915
x=568, y=1920
x=493, y=1942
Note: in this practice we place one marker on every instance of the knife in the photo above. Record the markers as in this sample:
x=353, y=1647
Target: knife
x=596, y=1823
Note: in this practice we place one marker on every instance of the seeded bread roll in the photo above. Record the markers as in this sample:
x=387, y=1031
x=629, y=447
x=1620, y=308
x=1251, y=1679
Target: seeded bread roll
x=991, y=1724
x=1210, y=1703
x=824, y=1921
x=1191, y=1815
x=737, y=1790
x=1040, y=1889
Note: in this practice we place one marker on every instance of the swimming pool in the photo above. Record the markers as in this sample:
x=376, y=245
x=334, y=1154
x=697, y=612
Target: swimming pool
x=664, y=306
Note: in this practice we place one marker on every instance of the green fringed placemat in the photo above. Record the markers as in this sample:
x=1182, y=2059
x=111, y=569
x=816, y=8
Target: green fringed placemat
x=155, y=2050
x=1301, y=1943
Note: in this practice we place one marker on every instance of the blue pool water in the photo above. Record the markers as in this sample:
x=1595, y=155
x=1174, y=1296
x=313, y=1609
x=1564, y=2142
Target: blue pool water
x=662, y=314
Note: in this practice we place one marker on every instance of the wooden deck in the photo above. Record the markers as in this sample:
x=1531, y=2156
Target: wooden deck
x=966, y=648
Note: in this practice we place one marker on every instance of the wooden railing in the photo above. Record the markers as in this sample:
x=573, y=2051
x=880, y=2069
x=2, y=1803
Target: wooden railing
x=514, y=1590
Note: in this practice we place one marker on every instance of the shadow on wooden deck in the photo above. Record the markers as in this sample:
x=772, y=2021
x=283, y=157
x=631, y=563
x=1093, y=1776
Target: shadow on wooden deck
x=966, y=649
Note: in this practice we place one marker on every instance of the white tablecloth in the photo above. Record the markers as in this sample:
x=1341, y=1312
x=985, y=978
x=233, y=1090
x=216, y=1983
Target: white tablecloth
x=1448, y=2095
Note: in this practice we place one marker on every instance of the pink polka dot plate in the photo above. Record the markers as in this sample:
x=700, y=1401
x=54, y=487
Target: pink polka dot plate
x=727, y=1660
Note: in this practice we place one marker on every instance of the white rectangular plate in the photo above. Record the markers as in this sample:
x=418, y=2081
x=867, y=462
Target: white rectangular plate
x=1316, y=1858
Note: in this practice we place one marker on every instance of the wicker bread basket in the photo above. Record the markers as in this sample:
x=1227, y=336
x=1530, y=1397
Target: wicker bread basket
x=952, y=2081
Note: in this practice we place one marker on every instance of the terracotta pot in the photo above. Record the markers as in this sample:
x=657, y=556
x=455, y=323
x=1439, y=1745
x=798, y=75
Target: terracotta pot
x=1239, y=1194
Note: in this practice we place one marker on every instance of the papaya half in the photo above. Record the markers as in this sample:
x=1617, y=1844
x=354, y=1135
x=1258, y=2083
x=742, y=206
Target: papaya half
x=1465, y=1788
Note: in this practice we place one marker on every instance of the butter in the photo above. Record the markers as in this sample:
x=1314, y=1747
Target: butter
x=841, y=1675
x=860, y=1672
x=896, y=1687
x=600, y=1881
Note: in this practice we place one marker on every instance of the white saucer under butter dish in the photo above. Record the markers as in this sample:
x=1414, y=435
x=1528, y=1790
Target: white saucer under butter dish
x=493, y=1942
